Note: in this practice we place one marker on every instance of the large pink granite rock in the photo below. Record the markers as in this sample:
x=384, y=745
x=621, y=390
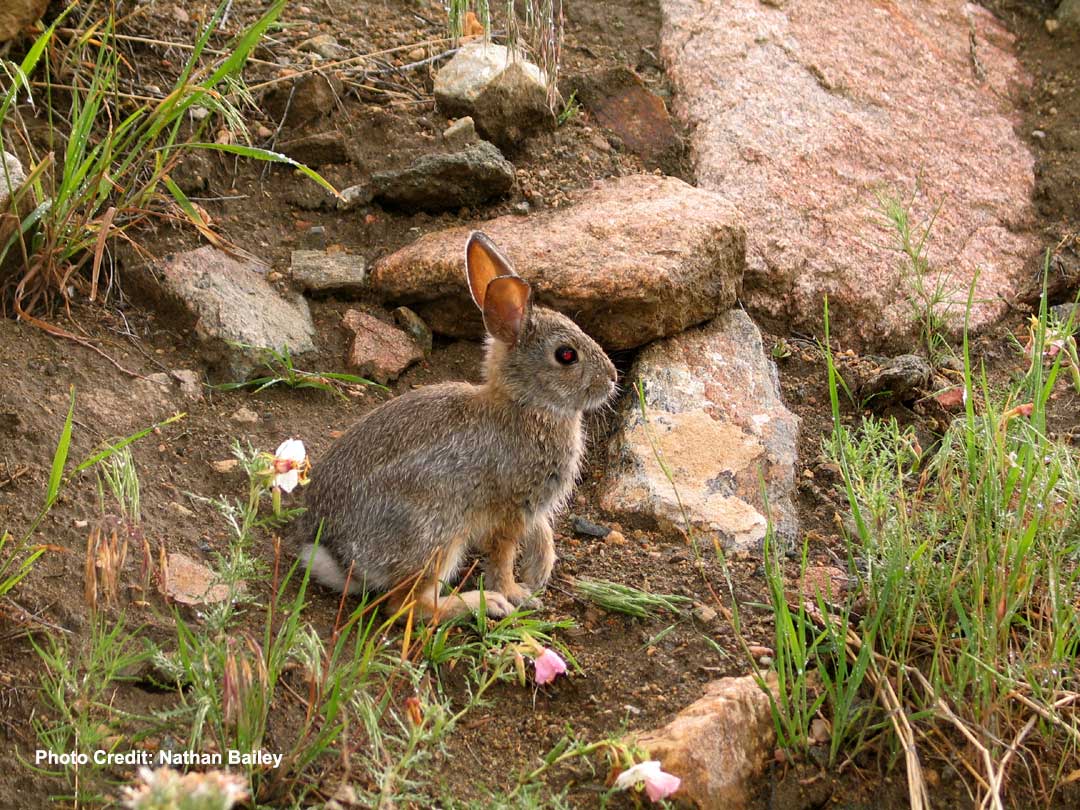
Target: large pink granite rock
x=805, y=113
x=634, y=259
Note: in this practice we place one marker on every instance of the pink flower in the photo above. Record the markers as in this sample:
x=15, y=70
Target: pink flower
x=290, y=465
x=658, y=784
x=549, y=665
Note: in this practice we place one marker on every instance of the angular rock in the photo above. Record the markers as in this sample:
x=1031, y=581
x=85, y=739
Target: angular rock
x=717, y=745
x=325, y=46
x=637, y=258
x=415, y=326
x=318, y=149
x=803, y=114
x=505, y=95
x=304, y=100
x=229, y=302
x=440, y=182
x=16, y=15
x=189, y=582
x=712, y=401
x=898, y=379
x=618, y=101
x=355, y=196
x=320, y=272
x=461, y=132
x=12, y=176
x=379, y=351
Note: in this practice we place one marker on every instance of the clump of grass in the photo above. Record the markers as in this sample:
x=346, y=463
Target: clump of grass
x=284, y=372
x=106, y=169
x=930, y=294
x=968, y=567
x=619, y=598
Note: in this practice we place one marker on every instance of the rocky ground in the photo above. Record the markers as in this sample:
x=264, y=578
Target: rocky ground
x=697, y=248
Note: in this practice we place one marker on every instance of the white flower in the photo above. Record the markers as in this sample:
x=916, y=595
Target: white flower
x=290, y=465
x=658, y=784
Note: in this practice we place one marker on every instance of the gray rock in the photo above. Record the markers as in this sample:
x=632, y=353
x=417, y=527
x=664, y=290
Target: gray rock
x=461, y=132
x=317, y=271
x=470, y=177
x=324, y=45
x=355, y=197
x=379, y=351
x=11, y=172
x=505, y=95
x=415, y=326
x=227, y=302
x=1068, y=13
x=633, y=259
x=586, y=527
x=896, y=380
x=713, y=408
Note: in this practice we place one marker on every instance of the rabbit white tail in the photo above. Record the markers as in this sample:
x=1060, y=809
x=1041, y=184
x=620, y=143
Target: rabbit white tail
x=326, y=570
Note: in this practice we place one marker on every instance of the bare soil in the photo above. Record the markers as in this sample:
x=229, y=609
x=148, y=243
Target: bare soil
x=633, y=672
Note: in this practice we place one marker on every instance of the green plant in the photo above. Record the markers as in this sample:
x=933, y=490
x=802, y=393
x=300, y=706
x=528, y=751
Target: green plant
x=108, y=161
x=930, y=293
x=968, y=580
x=284, y=372
x=620, y=598
x=572, y=109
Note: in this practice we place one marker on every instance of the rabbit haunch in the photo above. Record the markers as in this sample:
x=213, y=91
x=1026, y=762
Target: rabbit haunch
x=440, y=471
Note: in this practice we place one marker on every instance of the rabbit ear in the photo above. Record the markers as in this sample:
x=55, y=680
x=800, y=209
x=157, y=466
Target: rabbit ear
x=483, y=264
x=507, y=304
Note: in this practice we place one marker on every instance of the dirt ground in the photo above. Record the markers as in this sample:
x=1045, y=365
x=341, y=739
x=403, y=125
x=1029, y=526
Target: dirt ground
x=633, y=672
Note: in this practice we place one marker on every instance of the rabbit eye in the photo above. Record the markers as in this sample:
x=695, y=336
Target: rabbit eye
x=565, y=356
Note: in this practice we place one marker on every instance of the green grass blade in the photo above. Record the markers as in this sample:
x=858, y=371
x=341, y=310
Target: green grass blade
x=268, y=156
x=60, y=457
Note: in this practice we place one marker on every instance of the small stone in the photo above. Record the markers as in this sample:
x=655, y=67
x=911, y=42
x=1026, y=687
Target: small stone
x=318, y=271
x=819, y=730
x=181, y=16
x=192, y=583
x=179, y=510
x=225, y=465
x=521, y=209
x=199, y=113
x=615, y=538
x=899, y=379
x=354, y=197
x=1052, y=25
x=263, y=132
x=416, y=54
x=1038, y=134
x=324, y=45
x=346, y=794
x=13, y=170
x=704, y=613
x=245, y=415
x=765, y=661
x=379, y=351
x=190, y=383
x=461, y=132
x=587, y=528
x=415, y=326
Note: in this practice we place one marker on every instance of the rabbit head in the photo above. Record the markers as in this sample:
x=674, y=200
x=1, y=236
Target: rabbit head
x=537, y=357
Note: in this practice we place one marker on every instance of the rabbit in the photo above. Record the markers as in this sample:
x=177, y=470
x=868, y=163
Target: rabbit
x=439, y=471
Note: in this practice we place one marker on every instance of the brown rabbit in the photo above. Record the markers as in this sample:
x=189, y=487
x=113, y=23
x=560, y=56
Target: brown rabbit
x=428, y=476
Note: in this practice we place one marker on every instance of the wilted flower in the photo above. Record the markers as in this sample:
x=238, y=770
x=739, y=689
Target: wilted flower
x=290, y=465
x=549, y=665
x=658, y=783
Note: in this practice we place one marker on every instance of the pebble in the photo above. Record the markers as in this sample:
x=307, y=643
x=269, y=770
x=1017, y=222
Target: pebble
x=246, y=415
x=1038, y=133
x=1052, y=25
x=704, y=614
x=586, y=527
x=615, y=537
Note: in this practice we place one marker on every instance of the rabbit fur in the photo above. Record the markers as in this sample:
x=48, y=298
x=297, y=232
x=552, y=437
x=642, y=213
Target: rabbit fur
x=443, y=470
